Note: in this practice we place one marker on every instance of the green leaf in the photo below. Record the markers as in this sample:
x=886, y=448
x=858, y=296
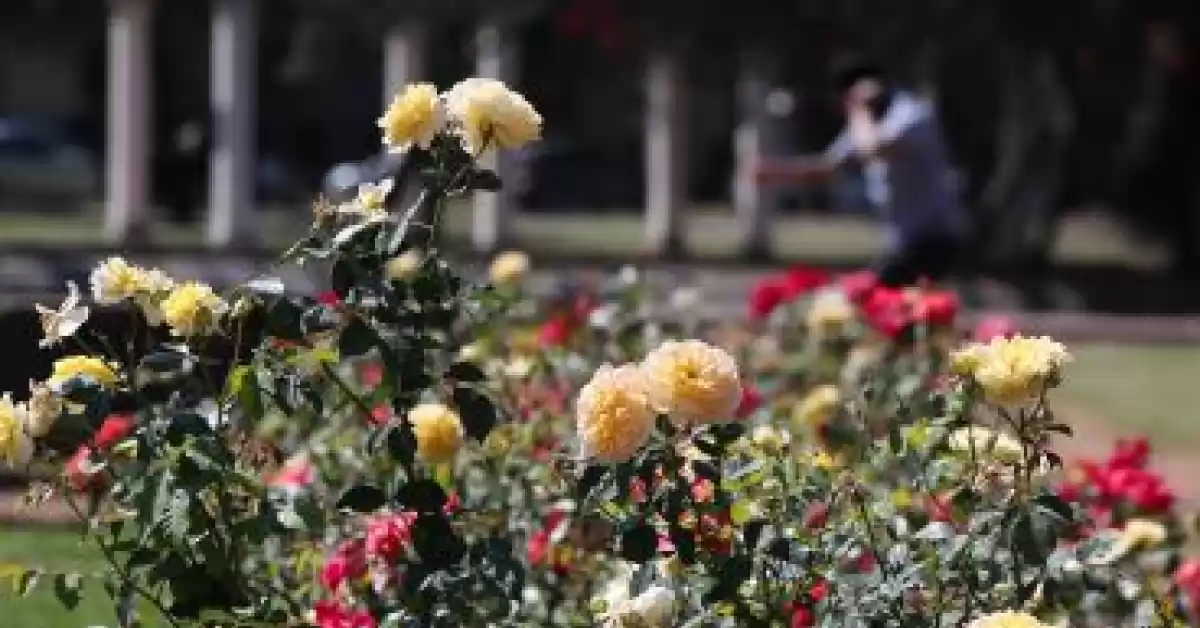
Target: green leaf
x=283, y=320
x=485, y=180
x=402, y=443
x=67, y=587
x=1050, y=504
x=476, y=410
x=465, y=372
x=357, y=339
x=27, y=582
x=362, y=498
x=243, y=384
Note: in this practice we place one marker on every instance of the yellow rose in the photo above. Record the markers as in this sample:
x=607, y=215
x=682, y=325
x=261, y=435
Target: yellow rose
x=405, y=265
x=153, y=286
x=488, y=113
x=613, y=414
x=829, y=312
x=817, y=407
x=693, y=381
x=978, y=440
x=370, y=201
x=72, y=366
x=1007, y=619
x=474, y=352
x=16, y=448
x=192, y=308
x=769, y=437
x=115, y=280
x=509, y=268
x=414, y=117
x=1137, y=534
x=1013, y=370
x=438, y=429
x=64, y=321
x=43, y=410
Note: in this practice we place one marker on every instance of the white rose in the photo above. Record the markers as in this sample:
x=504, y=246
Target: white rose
x=655, y=606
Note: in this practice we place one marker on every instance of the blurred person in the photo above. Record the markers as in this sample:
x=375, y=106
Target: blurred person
x=1160, y=159
x=897, y=138
x=1025, y=191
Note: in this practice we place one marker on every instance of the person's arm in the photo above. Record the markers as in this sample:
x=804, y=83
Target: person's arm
x=808, y=168
x=796, y=170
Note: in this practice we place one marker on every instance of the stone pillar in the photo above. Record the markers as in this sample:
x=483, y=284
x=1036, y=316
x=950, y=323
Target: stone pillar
x=231, y=195
x=127, y=162
x=403, y=59
x=759, y=134
x=665, y=152
x=496, y=57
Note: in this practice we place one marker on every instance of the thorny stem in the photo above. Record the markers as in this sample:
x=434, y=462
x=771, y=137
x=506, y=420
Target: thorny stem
x=124, y=575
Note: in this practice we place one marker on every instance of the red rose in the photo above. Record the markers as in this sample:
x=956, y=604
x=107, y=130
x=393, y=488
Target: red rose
x=800, y=280
x=331, y=614
x=370, y=374
x=939, y=509
x=703, y=490
x=1130, y=454
x=556, y=331
x=1152, y=497
x=388, y=534
x=818, y=591
x=78, y=471
x=453, y=504
x=767, y=294
x=1187, y=577
x=816, y=515
x=936, y=308
x=665, y=546
x=637, y=490
x=887, y=311
x=114, y=428
x=538, y=547
x=348, y=562
x=1069, y=491
x=751, y=401
x=991, y=327
x=801, y=618
x=858, y=285
x=295, y=473
x=328, y=298
x=380, y=415
x=553, y=519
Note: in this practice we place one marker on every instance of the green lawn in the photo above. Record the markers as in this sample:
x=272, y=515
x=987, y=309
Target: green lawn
x=56, y=549
x=1140, y=389
x=710, y=232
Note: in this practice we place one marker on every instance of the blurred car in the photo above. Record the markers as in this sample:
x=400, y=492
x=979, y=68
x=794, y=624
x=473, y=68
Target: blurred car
x=42, y=166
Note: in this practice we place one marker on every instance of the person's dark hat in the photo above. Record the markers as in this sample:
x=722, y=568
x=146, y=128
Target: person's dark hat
x=851, y=70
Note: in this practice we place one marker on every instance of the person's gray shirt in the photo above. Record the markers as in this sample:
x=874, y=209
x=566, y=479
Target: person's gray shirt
x=914, y=185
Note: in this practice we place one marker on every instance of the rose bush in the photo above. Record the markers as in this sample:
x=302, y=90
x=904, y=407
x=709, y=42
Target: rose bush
x=413, y=448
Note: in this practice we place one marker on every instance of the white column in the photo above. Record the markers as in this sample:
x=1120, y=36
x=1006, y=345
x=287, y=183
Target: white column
x=128, y=201
x=666, y=152
x=232, y=215
x=403, y=58
x=759, y=134
x=496, y=57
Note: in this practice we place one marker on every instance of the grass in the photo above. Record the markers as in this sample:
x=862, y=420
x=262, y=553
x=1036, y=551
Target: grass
x=1139, y=389
x=52, y=549
x=710, y=232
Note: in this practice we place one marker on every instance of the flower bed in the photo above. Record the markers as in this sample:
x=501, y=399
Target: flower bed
x=412, y=448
